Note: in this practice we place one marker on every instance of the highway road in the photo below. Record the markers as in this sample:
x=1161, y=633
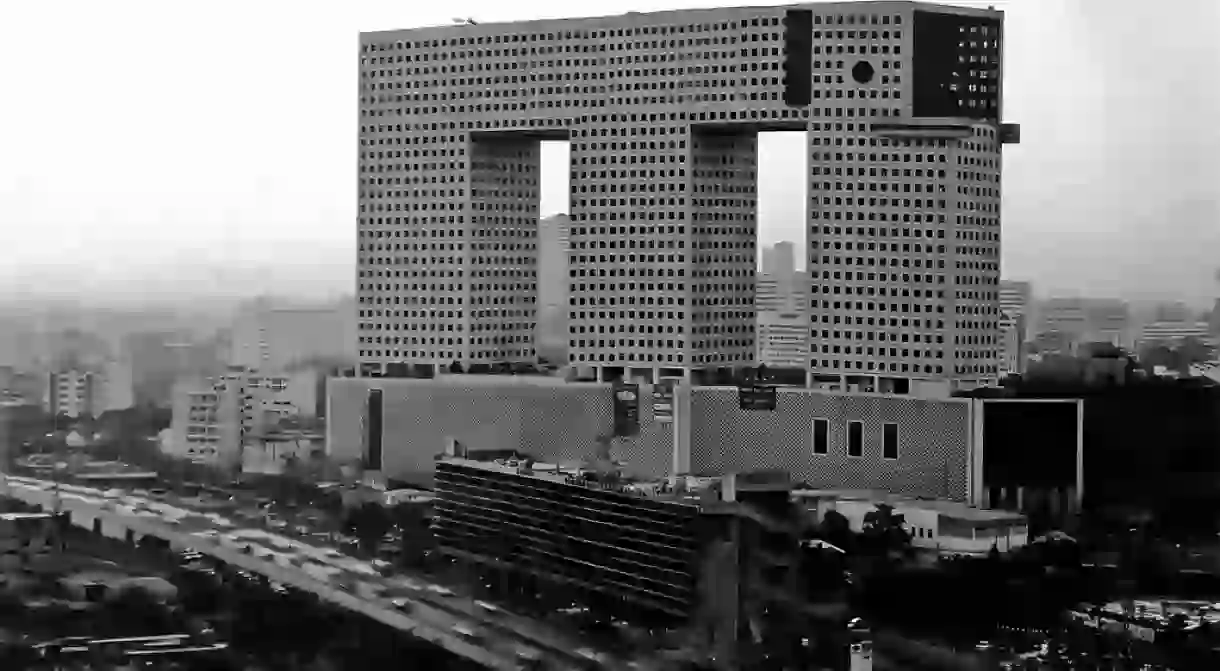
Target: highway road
x=488, y=635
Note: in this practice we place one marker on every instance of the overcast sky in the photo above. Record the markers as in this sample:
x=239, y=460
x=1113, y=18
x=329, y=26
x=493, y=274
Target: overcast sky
x=162, y=147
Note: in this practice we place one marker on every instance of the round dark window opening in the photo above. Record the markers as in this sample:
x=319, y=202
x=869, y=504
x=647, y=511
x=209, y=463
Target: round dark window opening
x=863, y=72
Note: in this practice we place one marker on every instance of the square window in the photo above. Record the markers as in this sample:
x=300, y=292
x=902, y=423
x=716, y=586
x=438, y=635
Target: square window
x=821, y=436
x=855, y=439
x=889, y=441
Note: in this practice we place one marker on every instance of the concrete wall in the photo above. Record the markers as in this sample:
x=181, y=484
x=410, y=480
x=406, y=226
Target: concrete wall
x=558, y=421
x=552, y=420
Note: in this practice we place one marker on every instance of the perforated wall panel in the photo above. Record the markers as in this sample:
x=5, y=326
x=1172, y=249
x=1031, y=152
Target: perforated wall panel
x=934, y=440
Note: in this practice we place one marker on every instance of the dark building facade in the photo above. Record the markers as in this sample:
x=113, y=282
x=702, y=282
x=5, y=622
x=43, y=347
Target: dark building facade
x=1151, y=445
x=571, y=531
x=1032, y=454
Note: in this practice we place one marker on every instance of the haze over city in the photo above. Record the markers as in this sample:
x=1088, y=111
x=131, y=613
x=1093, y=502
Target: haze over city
x=158, y=150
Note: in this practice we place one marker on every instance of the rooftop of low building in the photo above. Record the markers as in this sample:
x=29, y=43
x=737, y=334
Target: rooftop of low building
x=955, y=509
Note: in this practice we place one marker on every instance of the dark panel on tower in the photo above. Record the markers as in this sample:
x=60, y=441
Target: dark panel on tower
x=798, y=57
x=373, y=432
x=956, y=66
x=1029, y=444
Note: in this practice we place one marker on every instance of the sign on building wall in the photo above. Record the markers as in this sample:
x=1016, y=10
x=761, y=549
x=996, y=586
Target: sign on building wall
x=626, y=409
x=663, y=400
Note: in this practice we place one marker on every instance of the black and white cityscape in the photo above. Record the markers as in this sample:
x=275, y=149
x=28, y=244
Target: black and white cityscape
x=597, y=386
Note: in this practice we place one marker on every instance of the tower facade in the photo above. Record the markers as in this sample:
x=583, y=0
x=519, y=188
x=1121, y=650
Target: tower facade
x=662, y=112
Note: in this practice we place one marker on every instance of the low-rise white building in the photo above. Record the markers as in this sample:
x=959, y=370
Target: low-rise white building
x=947, y=527
x=216, y=419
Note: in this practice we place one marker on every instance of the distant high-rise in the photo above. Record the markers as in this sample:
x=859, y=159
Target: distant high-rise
x=158, y=358
x=1089, y=320
x=779, y=259
x=1176, y=311
x=778, y=293
x=271, y=337
x=553, y=282
x=783, y=339
x=1016, y=298
x=903, y=187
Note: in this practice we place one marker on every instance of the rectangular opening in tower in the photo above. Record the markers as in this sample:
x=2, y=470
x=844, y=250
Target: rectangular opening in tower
x=782, y=284
x=551, y=334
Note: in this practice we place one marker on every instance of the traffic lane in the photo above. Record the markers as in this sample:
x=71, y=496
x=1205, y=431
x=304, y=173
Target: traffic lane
x=208, y=530
x=435, y=615
x=168, y=520
x=520, y=629
x=428, y=614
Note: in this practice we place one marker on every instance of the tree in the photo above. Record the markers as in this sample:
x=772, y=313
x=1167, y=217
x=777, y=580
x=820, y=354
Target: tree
x=368, y=524
x=884, y=531
x=601, y=461
x=836, y=530
x=417, y=539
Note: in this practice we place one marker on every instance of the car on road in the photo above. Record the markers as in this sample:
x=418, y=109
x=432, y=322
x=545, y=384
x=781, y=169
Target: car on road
x=466, y=632
x=529, y=658
x=590, y=654
x=403, y=604
x=489, y=607
x=440, y=590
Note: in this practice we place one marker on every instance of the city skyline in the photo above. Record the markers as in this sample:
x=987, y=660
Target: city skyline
x=240, y=203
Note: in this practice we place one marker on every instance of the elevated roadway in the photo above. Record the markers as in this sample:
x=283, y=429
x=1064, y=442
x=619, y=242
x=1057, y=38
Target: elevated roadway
x=492, y=638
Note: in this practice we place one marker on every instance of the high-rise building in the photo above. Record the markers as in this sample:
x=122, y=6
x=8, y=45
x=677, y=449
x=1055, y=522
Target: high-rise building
x=1016, y=316
x=662, y=112
x=780, y=287
x=1085, y=320
x=779, y=294
x=271, y=337
x=1016, y=298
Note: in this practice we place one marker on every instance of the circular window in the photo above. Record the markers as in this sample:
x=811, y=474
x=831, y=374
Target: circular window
x=863, y=72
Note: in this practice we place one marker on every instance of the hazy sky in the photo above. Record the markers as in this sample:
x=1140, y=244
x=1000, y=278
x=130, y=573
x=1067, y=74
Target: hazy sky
x=155, y=147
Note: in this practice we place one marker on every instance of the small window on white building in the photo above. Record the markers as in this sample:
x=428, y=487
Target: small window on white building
x=821, y=436
x=889, y=441
x=855, y=439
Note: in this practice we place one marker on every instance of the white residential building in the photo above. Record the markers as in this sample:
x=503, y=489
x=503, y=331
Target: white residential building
x=215, y=419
